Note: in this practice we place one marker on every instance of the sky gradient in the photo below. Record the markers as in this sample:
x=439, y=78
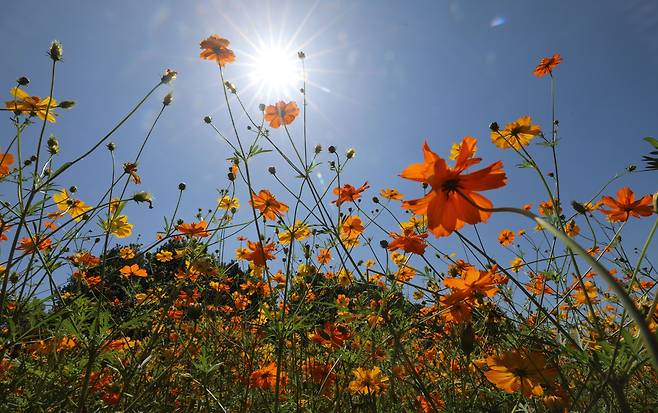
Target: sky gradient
x=384, y=77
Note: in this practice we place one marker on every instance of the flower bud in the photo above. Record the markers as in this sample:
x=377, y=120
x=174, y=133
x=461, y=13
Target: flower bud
x=578, y=207
x=261, y=107
x=272, y=170
x=23, y=81
x=631, y=168
x=383, y=243
x=66, y=104
x=350, y=153
x=53, y=145
x=207, y=119
x=143, y=196
x=230, y=86
x=655, y=202
x=301, y=55
x=231, y=177
x=494, y=126
x=73, y=189
x=182, y=186
x=111, y=146
x=168, y=76
x=318, y=148
x=55, y=51
x=375, y=199
x=332, y=149
x=167, y=99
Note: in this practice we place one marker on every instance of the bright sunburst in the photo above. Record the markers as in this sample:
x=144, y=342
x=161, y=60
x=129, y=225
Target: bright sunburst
x=275, y=71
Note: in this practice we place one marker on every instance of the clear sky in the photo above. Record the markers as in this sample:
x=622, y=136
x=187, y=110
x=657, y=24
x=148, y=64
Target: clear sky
x=385, y=76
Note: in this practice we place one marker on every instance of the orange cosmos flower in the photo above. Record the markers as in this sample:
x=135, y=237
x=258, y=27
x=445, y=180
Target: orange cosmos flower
x=31, y=244
x=625, y=206
x=258, y=254
x=281, y=113
x=6, y=159
x=546, y=65
x=445, y=205
x=331, y=335
x=267, y=204
x=348, y=193
x=513, y=371
x=506, y=237
x=350, y=230
x=537, y=286
x=410, y=241
x=265, y=378
x=23, y=103
x=474, y=281
x=324, y=256
x=134, y=269
x=516, y=134
x=216, y=48
x=392, y=194
x=195, y=229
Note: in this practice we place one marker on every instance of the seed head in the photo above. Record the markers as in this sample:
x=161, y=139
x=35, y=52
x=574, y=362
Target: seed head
x=55, y=51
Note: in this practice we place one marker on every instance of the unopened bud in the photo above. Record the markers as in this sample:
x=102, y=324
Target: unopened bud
x=53, y=145
x=167, y=99
x=55, y=51
x=168, y=76
x=332, y=149
x=261, y=107
x=23, y=81
x=631, y=168
x=318, y=148
x=272, y=170
x=301, y=55
x=207, y=119
x=230, y=86
x=73, y=189
x=66, y=104
x=143, y=197
x=578, y=207
x=231, y=177
x=375, y=199
x=494, y=126
x=655, y=202
x=383, y=243
x=111, y=146
x=182, y=186
x=350, y=153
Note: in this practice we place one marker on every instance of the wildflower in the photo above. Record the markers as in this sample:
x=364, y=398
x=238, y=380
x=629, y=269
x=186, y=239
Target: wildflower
x=516, y=264
x=130, y=168
x=216, y=48
x=456, y=148
x=571, y=228
x=299, y=231
x=258, y=253
x=454, y=199
x=546, y=65
x=126, y=253
x=392, y=194
x=368, y=381
x=75, y=207
x=164, y=256
x=118, y=226
x=351, y=228
x=409, y=241
x=417, y=222
x=405, y=274
x=516, y=134
x=513, y=371
x=625, y=206
x=281, y=113
x=547, y=208
x=537, y=286
x=324, y=256
x=134, y=269
x=506, y=237
x=348, y=193
x=194, y=229
x=6, y=159
x=265, y=378
x=228, y=202
x=268, y=205
x=31, y=244
x=168, y=76
x=474, y=281
x=589, y=293
x=331, y=335
x=23, y=103
x=320, y=374
x=143, y=196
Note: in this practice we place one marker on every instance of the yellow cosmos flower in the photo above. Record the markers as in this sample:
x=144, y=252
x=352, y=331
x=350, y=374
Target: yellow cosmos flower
x=228, y=202
x=368, y=381
x=299, y=231
x=25, y=104
x=118, y=226
x=164, y=256
x=126, y=253
x=75, y=207
x=516, y=134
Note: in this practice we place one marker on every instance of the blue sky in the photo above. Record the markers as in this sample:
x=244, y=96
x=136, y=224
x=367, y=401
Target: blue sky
x=385, y=76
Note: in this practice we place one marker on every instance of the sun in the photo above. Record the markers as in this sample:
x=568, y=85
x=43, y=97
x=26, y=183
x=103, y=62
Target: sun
x=275, y=71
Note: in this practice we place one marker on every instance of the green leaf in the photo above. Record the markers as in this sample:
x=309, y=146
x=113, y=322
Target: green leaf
x=652, y=141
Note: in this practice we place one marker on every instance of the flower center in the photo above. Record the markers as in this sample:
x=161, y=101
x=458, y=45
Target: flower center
x=450, y=185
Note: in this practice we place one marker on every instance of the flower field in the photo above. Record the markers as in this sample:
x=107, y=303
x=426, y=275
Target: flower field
x=300, y=297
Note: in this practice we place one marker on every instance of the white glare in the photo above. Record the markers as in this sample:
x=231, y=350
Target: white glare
x=276, y=71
